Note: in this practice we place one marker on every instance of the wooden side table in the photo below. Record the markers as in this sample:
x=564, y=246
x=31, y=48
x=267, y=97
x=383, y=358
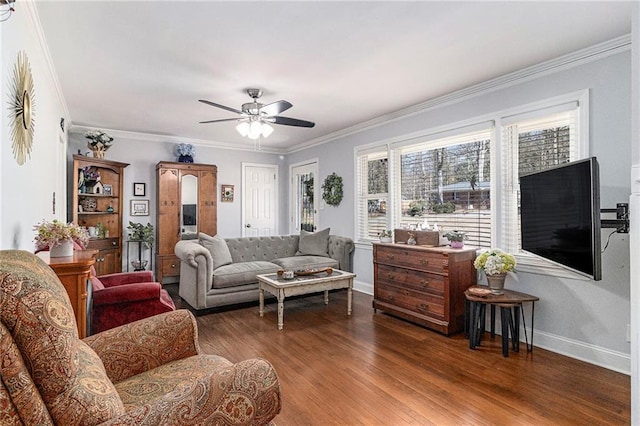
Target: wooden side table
x=74, y=273
x=510, y=304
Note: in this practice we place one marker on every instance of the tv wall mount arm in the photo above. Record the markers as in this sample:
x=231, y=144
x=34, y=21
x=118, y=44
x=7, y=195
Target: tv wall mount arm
x=621, y=222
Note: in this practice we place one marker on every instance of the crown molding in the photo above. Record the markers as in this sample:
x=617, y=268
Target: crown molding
x=571, y=60
x=34, y=18
x=153, y=137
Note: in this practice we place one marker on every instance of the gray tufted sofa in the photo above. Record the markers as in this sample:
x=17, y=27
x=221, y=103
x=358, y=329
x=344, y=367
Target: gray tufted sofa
x=202, y=286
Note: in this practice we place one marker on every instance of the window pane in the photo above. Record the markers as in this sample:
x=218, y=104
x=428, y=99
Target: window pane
x=372, y=175
x=376, y=216
x=543, y=148
x=449, y=186
x=378, y=176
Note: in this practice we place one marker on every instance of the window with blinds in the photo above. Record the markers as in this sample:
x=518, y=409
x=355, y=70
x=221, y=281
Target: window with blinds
x=532, y=145
x=372, y=193
x=448, y=179
x=447, y=183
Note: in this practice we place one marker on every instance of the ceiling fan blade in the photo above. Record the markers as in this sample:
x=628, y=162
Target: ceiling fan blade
x=275, y=108
x=237, y=111
x=220, y=121
x=292, y=122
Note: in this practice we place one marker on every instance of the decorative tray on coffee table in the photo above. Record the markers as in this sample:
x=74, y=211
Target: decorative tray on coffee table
x=305, y=272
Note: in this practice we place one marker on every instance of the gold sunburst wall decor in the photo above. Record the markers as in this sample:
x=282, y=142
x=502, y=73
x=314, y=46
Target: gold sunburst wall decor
x=21, y=109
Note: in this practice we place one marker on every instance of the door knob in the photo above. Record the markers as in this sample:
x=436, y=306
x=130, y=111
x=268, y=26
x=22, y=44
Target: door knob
x=248, y=225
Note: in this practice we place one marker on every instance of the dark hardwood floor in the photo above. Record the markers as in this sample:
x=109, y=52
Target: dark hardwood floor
x=374, y=369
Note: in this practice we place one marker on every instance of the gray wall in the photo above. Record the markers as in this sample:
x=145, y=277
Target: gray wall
x=580, y=317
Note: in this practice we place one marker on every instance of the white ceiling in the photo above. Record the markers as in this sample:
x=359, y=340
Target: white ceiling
x=141, y=66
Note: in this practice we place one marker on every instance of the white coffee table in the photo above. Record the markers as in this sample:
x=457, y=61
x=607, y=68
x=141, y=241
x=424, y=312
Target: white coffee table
x=282, y=288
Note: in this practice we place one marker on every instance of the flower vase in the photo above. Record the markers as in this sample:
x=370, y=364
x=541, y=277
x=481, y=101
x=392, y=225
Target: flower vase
x=185, y=159
x=98, y=152
x=496, y=282
x=65, y=249
x=456, y=244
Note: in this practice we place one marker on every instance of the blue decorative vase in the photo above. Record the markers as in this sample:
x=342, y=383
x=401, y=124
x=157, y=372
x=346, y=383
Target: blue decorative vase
x=185, y=159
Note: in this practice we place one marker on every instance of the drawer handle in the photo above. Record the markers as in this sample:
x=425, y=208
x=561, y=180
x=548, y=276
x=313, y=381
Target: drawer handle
x=113, y=243
x=425, y=283
x=424, y=306
x=390, y=276
x=173, y=265
x=391, y=256
x=424, y=262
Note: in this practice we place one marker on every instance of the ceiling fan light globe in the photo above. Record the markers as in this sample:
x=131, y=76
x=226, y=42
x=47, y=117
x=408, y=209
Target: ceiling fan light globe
x=255, y=129
x=266, y=130
x=253, y=136
x=243, y=128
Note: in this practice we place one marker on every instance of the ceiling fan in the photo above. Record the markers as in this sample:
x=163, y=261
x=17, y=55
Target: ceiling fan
x=255, y=117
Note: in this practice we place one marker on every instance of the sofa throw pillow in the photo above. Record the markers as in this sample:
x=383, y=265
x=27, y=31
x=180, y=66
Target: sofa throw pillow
x=218, y=249
x=314, y=243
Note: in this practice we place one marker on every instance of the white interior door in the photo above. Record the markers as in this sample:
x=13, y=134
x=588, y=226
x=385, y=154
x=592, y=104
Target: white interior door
x=304, y=195
x=259, y=183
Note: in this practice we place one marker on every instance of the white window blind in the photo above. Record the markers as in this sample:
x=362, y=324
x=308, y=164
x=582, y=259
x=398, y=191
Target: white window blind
x=372, y=172
x=532, y=145
x=447, y=182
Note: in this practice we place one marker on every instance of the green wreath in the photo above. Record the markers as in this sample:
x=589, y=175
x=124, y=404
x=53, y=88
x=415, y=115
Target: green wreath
x=332, y=189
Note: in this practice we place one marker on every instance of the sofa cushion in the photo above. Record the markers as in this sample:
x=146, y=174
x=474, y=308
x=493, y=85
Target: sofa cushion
x=20, y=401
x=141, y=389
x=306, y=262
x=241, y=273
x=314, y=243
x=218, y=249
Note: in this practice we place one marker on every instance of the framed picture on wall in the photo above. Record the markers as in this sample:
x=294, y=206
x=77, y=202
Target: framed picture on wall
x=108, y=189
x=139, y=189
x=226, y=195
x=139, y=207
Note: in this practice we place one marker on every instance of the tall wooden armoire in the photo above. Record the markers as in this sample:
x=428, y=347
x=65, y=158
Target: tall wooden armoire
x=187, y=205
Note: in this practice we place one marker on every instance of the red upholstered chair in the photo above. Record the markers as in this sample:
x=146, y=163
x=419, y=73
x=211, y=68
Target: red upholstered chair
x=126, y=297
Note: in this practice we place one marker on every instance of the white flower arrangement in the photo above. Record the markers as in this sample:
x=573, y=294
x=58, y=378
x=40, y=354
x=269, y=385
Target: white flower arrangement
x=52, y=234
x=98, y=139
x=494, y=262
x=185, y=149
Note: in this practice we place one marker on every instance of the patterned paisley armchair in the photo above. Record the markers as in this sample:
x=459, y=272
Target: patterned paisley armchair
x=147, y=372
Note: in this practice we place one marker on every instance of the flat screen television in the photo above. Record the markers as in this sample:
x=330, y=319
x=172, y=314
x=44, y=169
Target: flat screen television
x=189, y=214
x=560, y=215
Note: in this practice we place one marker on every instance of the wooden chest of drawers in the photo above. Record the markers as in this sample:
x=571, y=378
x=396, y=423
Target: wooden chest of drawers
x=422, y=284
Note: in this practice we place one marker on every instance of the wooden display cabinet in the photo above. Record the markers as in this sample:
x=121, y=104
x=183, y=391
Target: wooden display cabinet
x=178, y=184
x=99, y=205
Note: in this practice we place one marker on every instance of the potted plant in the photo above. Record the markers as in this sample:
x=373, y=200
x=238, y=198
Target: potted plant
x=143, y=234
x=386, y=236
x=99, y=142
x=495, y=263
x=185, y=152
x=58, y=237
x=456, y=238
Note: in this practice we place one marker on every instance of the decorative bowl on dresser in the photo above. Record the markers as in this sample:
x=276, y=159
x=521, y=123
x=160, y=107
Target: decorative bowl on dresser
x=424, y=285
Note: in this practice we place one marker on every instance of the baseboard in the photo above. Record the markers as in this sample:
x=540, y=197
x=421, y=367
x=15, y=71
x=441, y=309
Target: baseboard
x=597, y=355
x=363, y=287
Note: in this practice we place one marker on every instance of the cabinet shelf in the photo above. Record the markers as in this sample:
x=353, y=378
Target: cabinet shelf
x=94, y=213
x=85, y=194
